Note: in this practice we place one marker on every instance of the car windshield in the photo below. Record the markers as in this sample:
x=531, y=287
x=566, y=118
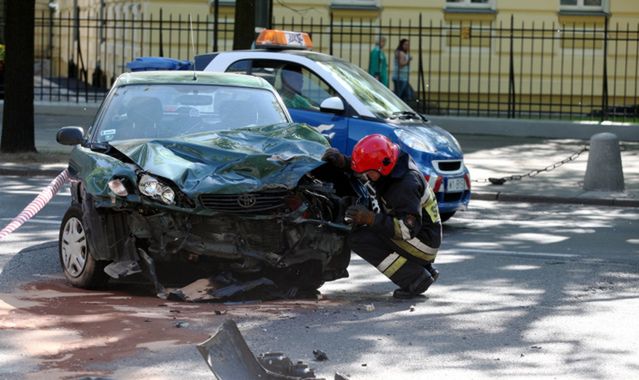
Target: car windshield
x=381, y=101
x=147, y=111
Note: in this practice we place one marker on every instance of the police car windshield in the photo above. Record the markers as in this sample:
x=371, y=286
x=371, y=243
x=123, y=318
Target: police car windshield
x=381, y=101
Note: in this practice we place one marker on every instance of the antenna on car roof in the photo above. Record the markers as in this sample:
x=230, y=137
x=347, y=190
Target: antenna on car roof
x=192, y=44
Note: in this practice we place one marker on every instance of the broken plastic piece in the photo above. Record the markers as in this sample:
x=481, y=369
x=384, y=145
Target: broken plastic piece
x=151, y=274
x=120, y=269
x=229, y=358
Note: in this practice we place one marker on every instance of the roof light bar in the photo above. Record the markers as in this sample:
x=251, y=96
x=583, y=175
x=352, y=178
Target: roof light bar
x=272, y=38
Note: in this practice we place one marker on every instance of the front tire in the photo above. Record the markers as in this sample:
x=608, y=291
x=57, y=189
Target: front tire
x=78, y=265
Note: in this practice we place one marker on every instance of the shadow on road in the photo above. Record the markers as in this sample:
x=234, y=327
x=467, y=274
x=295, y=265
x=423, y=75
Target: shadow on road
x=525, y=291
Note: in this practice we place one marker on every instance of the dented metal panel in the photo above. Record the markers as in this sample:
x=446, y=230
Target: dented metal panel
x=222, y=162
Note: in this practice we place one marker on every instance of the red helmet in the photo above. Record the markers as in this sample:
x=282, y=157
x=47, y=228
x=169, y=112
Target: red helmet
x=374, y=152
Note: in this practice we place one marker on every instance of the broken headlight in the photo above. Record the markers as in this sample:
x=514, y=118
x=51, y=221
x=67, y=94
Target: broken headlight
x=152, y=187
x=118, y=187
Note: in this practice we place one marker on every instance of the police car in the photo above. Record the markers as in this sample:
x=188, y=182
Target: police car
x=345, y=103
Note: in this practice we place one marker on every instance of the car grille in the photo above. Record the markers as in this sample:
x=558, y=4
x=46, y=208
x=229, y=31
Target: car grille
x=254, y=202
x=257, y=234
x=449, y=166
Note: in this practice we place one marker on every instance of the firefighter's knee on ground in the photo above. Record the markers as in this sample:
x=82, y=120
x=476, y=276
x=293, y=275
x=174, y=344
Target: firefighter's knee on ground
x=415, y=288
x=434, y=272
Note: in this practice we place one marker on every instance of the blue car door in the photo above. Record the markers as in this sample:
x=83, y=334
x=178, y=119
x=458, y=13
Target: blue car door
x=303, y=91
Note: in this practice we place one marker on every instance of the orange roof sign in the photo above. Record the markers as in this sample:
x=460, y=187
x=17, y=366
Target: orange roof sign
x=272, y=38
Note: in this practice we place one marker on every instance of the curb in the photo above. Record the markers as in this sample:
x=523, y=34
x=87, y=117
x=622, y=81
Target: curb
x=503, y=197
x=552, y=129
x=30, y=172
x=69, y=108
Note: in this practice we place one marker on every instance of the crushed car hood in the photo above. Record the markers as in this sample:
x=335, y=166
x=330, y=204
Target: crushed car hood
x=223, y=162
x=232, y=161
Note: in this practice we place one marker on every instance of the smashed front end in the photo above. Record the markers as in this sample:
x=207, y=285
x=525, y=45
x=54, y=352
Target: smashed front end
x=252, y=204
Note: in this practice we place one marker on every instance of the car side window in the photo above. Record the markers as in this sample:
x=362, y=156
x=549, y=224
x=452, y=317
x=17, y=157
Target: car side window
x=299, y=87
x=240, y=67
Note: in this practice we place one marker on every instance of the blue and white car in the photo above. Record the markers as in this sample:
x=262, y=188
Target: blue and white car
x=345, y=103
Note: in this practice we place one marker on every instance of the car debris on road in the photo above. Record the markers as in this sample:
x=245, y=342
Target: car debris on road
x=229, y=358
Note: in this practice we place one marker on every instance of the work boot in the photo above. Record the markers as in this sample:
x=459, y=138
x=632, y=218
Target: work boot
x=433, y=271
x=418, y=287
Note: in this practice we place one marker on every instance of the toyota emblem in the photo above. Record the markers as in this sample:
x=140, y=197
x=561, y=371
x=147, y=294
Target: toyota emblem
x=246, y=200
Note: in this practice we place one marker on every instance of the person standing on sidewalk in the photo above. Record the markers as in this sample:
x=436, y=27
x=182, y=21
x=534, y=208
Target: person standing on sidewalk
x=378, y=66
x=401, y=71
x=402, y=239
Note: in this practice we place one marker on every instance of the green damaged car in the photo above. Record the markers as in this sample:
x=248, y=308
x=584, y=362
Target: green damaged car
x=203, y=174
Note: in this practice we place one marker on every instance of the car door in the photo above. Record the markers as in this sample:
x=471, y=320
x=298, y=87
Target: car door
x=302, y=91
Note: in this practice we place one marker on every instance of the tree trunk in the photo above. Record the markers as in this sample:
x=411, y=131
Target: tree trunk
x=17, y=117
x=244, y=29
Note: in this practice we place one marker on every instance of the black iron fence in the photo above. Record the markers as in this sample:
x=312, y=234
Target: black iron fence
x=498, y=69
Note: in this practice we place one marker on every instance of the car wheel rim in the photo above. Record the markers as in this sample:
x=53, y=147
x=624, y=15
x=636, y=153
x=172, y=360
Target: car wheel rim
x=74, y=247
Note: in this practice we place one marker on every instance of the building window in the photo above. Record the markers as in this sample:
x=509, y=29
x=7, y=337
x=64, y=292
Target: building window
x=470, y=3
x=582, y=5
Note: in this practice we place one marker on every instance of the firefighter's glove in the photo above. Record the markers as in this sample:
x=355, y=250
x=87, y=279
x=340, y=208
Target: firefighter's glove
x=360, y=215
x=335, y=158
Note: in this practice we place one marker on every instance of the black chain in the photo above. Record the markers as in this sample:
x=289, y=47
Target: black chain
x=532, y=173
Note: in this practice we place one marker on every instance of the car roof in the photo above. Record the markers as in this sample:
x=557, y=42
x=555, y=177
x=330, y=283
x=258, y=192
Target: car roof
x=191, y=77
x=311, y=54
x=289, y=51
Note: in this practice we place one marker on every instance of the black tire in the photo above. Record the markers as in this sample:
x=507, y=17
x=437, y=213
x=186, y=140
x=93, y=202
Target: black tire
x=78, y=265
x=446, y=215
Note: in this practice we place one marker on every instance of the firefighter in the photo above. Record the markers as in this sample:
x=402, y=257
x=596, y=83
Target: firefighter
x=401, y=239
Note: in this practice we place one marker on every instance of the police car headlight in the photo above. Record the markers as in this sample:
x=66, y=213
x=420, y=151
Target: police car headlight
x=153, y=188
x=414, y=141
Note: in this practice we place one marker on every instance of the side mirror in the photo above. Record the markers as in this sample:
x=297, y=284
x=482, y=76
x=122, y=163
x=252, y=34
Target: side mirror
x=333, y=105
x=70, y=135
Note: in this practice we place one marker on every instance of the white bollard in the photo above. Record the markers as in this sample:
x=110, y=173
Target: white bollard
x=604, y=171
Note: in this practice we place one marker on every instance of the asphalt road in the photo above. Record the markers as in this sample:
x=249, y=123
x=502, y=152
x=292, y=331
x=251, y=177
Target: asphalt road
x=527, y=291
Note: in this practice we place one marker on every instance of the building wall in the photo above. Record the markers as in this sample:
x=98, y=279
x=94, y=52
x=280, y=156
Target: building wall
x=465, y=55
x=122, y=30
x=465, y=63
x=41, y=33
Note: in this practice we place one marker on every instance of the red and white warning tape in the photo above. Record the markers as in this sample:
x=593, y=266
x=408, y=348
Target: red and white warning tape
x=37, y=204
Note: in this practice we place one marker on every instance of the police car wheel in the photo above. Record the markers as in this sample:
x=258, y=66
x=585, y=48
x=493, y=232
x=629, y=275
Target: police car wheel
x=79, y=267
